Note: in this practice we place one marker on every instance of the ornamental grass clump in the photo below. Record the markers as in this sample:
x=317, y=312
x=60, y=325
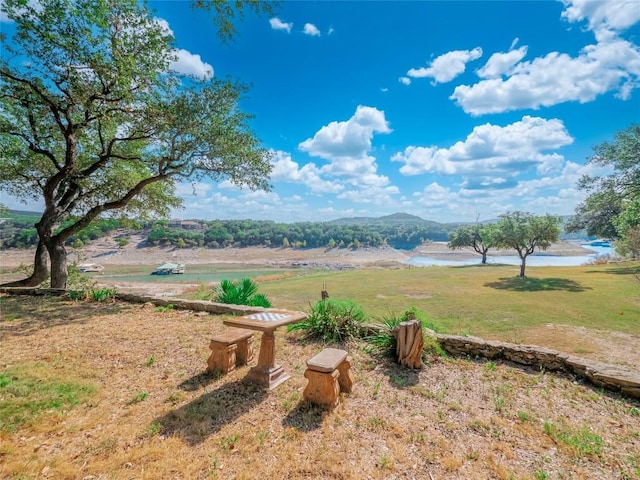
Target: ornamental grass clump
x=240, y=292
x=332, y=321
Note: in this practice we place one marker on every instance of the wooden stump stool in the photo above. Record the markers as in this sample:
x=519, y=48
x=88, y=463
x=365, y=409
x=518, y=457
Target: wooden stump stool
x=328, y=375
x=230, y=348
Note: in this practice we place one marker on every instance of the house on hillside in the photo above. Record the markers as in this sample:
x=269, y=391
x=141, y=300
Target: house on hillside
x=185, y=224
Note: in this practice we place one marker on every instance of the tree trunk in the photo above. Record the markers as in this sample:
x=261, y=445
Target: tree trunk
x=484, y=258
x=40, y=270
x=409, y=343
x=58, y=256
x=523, y=266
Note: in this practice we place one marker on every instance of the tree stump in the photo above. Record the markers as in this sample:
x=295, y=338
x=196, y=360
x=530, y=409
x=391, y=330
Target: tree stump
x=409, y=343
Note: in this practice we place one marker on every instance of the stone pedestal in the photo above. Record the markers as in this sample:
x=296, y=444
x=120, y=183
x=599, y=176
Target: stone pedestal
x=323, y=388
x=222, y=358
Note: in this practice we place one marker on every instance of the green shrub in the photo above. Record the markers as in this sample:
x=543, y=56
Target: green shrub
x=332, y=320
x=122, y=242
x=103, y=294
x=240, y=292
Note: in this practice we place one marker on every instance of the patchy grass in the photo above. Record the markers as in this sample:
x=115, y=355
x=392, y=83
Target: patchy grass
x=32, y=390
x=167, y=418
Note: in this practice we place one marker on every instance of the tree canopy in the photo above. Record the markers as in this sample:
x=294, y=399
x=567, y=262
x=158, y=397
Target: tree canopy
x=525, y=232
x=612, y=208
x=94, y=121
x=478, y=237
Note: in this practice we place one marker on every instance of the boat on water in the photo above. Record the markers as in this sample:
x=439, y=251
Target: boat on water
x=90, y=267
x=169, y=269
x=599, y=243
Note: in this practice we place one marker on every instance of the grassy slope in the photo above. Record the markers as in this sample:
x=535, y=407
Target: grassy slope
x=482, y=301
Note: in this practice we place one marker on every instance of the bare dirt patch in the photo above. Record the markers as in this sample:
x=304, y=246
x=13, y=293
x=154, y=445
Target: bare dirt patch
x=157, y=414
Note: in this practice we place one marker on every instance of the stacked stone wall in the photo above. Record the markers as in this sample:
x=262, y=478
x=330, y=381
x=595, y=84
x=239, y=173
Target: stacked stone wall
x=611, y=377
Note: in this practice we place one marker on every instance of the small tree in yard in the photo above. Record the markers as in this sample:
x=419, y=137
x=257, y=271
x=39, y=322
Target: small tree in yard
x=476, y=236
x=93, y=120
x=525, y=233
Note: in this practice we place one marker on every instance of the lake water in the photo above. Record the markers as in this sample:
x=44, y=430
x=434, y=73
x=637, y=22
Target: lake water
x=187, y=277
x=534, y=260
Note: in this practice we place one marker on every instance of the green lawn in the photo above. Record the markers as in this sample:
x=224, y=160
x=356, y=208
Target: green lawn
x=481, y=300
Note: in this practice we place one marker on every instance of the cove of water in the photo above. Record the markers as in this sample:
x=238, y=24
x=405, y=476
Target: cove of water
x=533, y=260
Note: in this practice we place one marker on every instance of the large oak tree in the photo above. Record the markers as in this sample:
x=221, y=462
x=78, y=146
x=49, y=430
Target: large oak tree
x=525, y=232
x=93, y=121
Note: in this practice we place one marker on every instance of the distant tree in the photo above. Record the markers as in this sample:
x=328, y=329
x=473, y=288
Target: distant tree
x=285, y=243
x=475, y=236
x=525, y=233
x=613, y=206
x=94, y=121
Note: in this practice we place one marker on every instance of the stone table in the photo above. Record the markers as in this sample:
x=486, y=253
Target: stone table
x=267, y=372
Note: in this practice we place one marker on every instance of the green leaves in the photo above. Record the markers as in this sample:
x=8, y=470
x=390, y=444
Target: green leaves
x=525, y=232
x=240, y=292
x=332, y=320
x=92, y=119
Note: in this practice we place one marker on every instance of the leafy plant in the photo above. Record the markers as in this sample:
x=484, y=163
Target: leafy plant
x=240, y=292
x=332, y=320
x=103, y=294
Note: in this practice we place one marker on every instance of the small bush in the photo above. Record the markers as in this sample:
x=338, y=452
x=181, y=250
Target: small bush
x=103, y=294
x=240, y=292
x=122, y=242
x=332, y=321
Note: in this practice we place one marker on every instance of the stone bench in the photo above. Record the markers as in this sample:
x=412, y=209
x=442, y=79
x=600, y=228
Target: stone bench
x=230, y=348
x=328, y=375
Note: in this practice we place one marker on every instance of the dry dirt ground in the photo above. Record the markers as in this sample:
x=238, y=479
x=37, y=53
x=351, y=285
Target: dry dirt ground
x=156, y=414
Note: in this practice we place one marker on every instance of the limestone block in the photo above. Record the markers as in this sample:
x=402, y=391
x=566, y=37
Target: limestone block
x=323, y=388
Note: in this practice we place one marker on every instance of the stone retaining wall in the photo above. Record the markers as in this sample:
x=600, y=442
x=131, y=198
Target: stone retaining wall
x=611, y=377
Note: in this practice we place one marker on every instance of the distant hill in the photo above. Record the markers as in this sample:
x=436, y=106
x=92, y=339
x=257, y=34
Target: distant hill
x=395, y=218
x=399, y=219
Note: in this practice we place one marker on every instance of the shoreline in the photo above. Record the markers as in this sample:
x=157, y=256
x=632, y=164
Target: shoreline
x=107, y=252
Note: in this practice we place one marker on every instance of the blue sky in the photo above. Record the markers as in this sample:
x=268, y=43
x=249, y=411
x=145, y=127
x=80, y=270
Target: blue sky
x=452, y=111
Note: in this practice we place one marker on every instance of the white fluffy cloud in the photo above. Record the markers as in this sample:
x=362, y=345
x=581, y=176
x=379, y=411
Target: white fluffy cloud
x=278, y=24
x=351, y=138
x=346, y=146
x=491, y=154
x=191, y=64
x=611, y=15
x=446, y=67
x=405, y=80
x=311, y=29
x=556, y=78
x=286, y=170
x=501, y=63
x=611, y=64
